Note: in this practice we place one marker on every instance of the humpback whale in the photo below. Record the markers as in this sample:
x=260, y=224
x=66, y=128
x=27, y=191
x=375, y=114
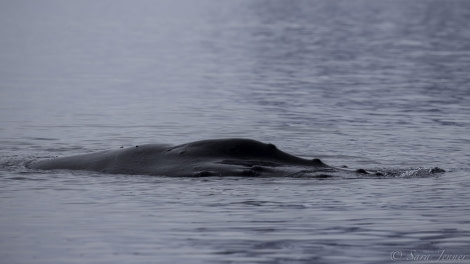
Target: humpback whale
x=215, y=157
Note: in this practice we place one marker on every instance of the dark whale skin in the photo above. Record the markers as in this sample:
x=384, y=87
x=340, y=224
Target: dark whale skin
x=215, y=157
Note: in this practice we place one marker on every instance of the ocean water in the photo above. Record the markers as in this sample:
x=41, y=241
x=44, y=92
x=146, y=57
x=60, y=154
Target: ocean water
x=370, y=84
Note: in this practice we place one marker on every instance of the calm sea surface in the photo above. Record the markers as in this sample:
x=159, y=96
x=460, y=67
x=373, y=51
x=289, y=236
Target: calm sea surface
x=369, y=84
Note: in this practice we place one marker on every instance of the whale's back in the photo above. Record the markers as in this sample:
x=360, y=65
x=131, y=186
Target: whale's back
x=206, y=157
x=235, y=148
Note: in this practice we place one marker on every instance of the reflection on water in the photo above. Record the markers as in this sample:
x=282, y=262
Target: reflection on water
x=113, y=218
x=372, y=84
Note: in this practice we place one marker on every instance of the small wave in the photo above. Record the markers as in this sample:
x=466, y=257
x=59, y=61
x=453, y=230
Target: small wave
x=410, y=173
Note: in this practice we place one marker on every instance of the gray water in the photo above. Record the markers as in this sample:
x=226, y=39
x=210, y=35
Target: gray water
x=370, y=84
